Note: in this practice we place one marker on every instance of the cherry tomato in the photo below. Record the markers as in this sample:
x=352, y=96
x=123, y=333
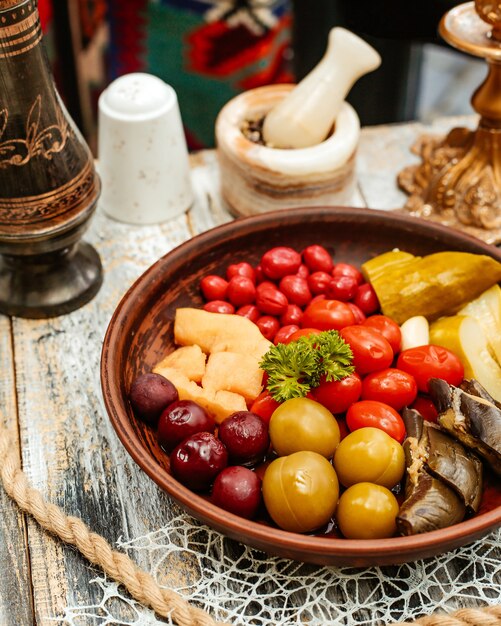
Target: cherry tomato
x=357, y=312
x=318, y=282
x=425, y=406
x=366, y=299
x=303, y=424
x=269, y=326
x=250, y=311
x=241, y=269
x=369, y=455
x=367, y=511
x=300, y=491
x=296, y=290
x=388, y=328
x=264, y=406
x=270, y=300
x=342, y=288
x=241, y=290
x=293, y=315
x=391, y=386
x=425, y=362
x=371, y=351
x=327, y=315
x=278, y=262
x=338, y=395
x=284, y=334
x=374, y=414
x=219, y=306
x=345, y=269
x=214, y=287
x=303, y=332
x=318, y=259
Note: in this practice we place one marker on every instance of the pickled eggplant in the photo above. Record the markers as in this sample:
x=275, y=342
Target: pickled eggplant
x=472, y=418
x=434, y=285
x=431, y=505
x=444, y=480
x=474, y=388
x=456, y=466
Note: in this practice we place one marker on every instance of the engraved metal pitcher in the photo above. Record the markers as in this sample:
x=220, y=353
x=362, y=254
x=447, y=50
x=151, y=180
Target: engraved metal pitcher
x=48, y=184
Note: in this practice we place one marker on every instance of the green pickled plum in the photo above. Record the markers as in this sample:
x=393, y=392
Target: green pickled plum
x=369, y=455
x=367, y=511
x=300, y=491
x=303, y=424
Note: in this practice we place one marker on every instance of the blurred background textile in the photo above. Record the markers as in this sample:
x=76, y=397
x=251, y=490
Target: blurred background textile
x=210, y=50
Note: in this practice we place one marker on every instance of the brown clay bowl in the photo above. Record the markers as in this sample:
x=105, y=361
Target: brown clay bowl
x=140, y=334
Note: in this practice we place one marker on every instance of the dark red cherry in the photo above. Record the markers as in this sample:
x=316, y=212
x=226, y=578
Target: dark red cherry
x=245, y=436
x=197, y=460
x=180, y=420
x=238, y=490
x=149, y=395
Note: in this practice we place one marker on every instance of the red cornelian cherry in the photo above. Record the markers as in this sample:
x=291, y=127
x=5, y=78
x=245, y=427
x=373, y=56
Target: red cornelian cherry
x=317, y=259
x=214, y=287
x=280, y=261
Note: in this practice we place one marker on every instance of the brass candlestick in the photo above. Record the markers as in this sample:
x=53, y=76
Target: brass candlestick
x=48, y=185
x=458, y=182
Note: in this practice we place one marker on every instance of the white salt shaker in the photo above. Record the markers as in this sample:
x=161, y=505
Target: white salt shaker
x=142, y=154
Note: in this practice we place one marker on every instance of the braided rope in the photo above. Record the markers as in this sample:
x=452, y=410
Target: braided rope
x=95, y=548
x=140, y=584
x=486, y=616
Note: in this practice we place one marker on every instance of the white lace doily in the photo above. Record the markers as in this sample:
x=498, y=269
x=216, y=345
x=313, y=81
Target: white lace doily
x=241, y=585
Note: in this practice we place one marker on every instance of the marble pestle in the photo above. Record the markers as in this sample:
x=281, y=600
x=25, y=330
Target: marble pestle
x=306, y=116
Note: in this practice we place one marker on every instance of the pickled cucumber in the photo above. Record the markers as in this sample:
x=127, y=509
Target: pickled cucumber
x=376, y=267
x=434, y=285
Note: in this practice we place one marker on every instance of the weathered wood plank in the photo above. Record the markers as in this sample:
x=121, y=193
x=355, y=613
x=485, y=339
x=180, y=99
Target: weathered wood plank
x=70, y=450
x=16, y=606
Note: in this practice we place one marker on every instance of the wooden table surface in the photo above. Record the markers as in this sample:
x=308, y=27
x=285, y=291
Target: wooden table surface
x=50, y=396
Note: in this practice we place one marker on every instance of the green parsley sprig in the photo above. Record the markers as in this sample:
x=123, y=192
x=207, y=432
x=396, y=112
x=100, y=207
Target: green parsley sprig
x=295, y=368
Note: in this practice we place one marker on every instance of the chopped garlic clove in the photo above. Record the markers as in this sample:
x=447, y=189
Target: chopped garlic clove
x=415, y=332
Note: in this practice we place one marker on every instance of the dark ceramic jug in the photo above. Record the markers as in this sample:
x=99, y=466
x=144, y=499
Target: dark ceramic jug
x=48, y=184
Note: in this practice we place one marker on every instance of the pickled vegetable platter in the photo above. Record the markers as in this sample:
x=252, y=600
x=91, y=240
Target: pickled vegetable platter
x=141, y=333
